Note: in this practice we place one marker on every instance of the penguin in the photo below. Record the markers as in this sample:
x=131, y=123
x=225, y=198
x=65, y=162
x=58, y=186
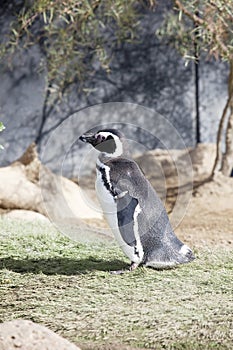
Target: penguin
x=132, y=208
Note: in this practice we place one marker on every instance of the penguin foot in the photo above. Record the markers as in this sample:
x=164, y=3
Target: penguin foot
x=132, y=267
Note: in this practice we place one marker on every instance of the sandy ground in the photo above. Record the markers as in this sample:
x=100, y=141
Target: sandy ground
x=209, y=218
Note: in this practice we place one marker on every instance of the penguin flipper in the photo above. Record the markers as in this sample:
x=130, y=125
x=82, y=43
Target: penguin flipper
x=125, y=216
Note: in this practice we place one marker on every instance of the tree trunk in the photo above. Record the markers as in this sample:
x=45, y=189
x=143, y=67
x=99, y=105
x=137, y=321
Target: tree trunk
x=219, y=138
x=227, y=160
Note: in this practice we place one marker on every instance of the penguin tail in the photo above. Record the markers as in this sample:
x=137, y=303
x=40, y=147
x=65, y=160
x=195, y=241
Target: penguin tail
x=170, y=258
x=186, y=253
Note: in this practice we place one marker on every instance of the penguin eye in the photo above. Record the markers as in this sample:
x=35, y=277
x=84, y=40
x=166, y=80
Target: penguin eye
x=100, y=137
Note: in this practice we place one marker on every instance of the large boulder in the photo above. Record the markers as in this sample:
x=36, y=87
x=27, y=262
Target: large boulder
x=27, y=184
x=27, y=335
x=174, y=173
x=203, y=157
x=27, y=215
x=177, y=167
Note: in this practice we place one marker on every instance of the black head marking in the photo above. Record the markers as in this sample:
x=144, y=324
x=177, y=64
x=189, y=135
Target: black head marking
x=107, y=145
x=105, y=140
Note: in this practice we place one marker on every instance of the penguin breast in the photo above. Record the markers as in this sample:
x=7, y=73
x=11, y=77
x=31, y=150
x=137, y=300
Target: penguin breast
x=109, y=206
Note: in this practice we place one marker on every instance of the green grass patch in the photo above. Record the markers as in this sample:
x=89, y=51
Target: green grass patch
x=49, y=279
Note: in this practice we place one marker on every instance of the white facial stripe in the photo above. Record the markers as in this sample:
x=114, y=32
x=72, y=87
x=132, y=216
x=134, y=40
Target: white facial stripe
x=119, y=147
x=105, y=133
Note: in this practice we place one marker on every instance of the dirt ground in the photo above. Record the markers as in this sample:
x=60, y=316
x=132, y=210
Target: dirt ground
x=209, y=217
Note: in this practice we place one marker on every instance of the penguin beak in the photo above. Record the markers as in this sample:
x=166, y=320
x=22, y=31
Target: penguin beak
x=88, y=137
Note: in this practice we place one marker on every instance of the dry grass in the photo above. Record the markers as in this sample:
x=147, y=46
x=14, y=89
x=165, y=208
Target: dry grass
x=66, y=286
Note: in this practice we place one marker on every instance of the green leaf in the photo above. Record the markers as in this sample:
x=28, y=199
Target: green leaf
x=2, y=127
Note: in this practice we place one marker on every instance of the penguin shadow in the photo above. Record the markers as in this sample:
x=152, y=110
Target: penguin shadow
x=61, y=266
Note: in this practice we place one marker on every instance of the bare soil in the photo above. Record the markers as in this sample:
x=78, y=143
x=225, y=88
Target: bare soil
x=209, y=217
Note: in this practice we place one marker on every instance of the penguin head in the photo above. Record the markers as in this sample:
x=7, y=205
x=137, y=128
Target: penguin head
x=107, y=141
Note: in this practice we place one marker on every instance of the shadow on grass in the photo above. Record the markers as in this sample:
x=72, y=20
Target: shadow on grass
x=61, y=266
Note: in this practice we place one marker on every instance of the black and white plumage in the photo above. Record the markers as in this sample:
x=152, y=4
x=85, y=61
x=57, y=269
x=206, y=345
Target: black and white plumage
x=131, y=206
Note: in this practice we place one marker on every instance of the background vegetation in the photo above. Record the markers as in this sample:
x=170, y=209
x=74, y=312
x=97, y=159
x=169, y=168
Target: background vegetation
x=2, y=127
x=200, y=27
x=78, y=36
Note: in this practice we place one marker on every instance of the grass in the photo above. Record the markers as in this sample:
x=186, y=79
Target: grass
x=49, y=279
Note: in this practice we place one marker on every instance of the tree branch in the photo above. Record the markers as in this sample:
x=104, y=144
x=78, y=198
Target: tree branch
x=197, y=20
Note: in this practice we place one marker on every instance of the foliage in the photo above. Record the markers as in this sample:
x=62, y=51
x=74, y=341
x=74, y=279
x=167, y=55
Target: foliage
x=74, y=35
x=2, y=127
x=205, y=23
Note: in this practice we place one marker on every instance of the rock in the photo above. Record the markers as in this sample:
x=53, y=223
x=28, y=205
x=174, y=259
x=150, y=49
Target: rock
x=160, y=162
x=173, y=173
x=31, y=162
x=28, y=185
x=166, y=169
x=27, y=215
x=17, y=191
x=64, y=199
x=203, y=157
x=27, y=335
x=173, y=166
